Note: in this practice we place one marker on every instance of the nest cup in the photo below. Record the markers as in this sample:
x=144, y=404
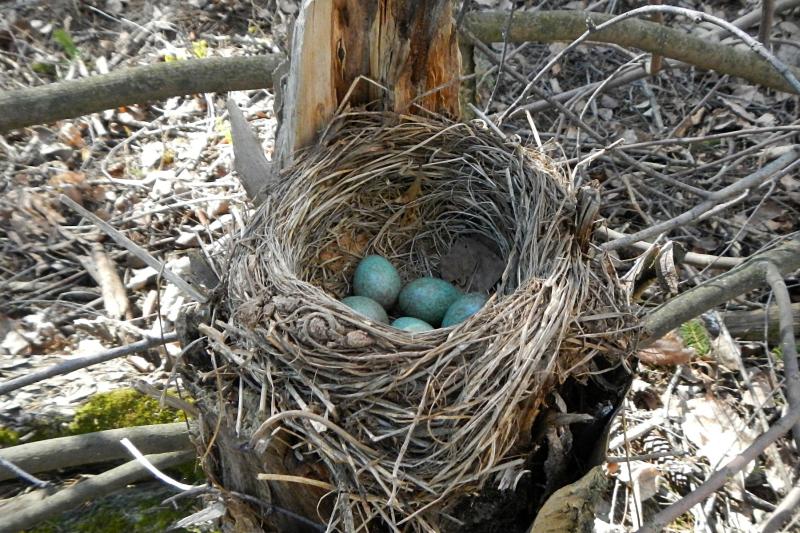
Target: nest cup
x=403, y=425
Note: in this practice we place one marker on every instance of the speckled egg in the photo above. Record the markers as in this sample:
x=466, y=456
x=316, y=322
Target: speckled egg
x=367, y=307
x=411, y=324
x=427, y=299
x=376, y=278
x=463, y=308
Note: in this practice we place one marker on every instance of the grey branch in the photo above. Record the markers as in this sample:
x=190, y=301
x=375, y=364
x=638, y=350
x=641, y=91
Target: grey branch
x=67, y=99
x=25, y=511
x=77, y=363
x=746, y=277
x=94, y=448
x=788, y=346
x=25, y=107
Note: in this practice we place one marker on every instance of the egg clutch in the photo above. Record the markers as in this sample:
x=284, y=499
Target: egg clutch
x=421, y=305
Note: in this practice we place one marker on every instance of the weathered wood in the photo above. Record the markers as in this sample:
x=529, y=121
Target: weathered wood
x=407, y=47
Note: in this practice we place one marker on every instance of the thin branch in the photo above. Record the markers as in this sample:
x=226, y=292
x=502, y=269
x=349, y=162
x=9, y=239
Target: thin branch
x=746, y=277
x=94, y=448
x=691, y=258
x=775, y=169
x=718, y=478
x=24, y=512
x=767, y=15
x=788, y=346
x=82, y=362
x=66, y=99
x=136, y=250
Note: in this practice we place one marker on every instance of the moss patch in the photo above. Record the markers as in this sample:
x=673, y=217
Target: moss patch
x=118, y=409
x=8, y=437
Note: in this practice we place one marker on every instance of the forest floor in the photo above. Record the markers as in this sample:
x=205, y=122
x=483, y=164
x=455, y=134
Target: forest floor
x=163, y=175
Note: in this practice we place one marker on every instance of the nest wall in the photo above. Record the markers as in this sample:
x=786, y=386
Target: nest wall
x=405, y=424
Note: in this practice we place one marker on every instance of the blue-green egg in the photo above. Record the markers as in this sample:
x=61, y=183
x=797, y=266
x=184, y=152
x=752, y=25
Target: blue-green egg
x=409, y=323
x=427, y=299
x=463, y=308
x=367, y=307
x=376, y=278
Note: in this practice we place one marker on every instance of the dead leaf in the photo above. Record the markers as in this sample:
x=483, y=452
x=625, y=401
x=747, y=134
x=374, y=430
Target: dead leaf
x=115, y=298
x=667, y=351
x=472, y=264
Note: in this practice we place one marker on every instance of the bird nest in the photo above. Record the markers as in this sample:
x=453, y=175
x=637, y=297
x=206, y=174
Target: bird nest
x=400, y=425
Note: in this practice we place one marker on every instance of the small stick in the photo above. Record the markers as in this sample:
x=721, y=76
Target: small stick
x=82, y=362
x=767, y=15
x=135, y=249
x=644, y=457
x=153, y=470
x=691, y=258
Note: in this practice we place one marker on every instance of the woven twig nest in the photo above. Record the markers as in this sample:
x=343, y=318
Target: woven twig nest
x=397, y=425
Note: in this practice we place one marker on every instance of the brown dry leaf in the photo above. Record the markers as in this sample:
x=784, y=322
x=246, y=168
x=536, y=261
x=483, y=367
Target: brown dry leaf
x=412, y=193
x=667, y=351
x=472, y=264
x=719, y=433
x=70, y=183
x=71, y=135
x=335, y=255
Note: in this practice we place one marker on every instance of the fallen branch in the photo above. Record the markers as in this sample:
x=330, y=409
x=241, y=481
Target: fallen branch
x=746, y=277
x=550, y=26
x=67, y=99
x=749, y=325
x=82, y=362
x=94, y=448
x=30, y=509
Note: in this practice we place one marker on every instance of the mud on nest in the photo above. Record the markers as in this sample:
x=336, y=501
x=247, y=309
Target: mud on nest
x=406, y=424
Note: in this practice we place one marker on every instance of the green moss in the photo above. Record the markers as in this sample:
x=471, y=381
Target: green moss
x=696, y=336
x=8, y=437
x=118, y=409
x=135, y=510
